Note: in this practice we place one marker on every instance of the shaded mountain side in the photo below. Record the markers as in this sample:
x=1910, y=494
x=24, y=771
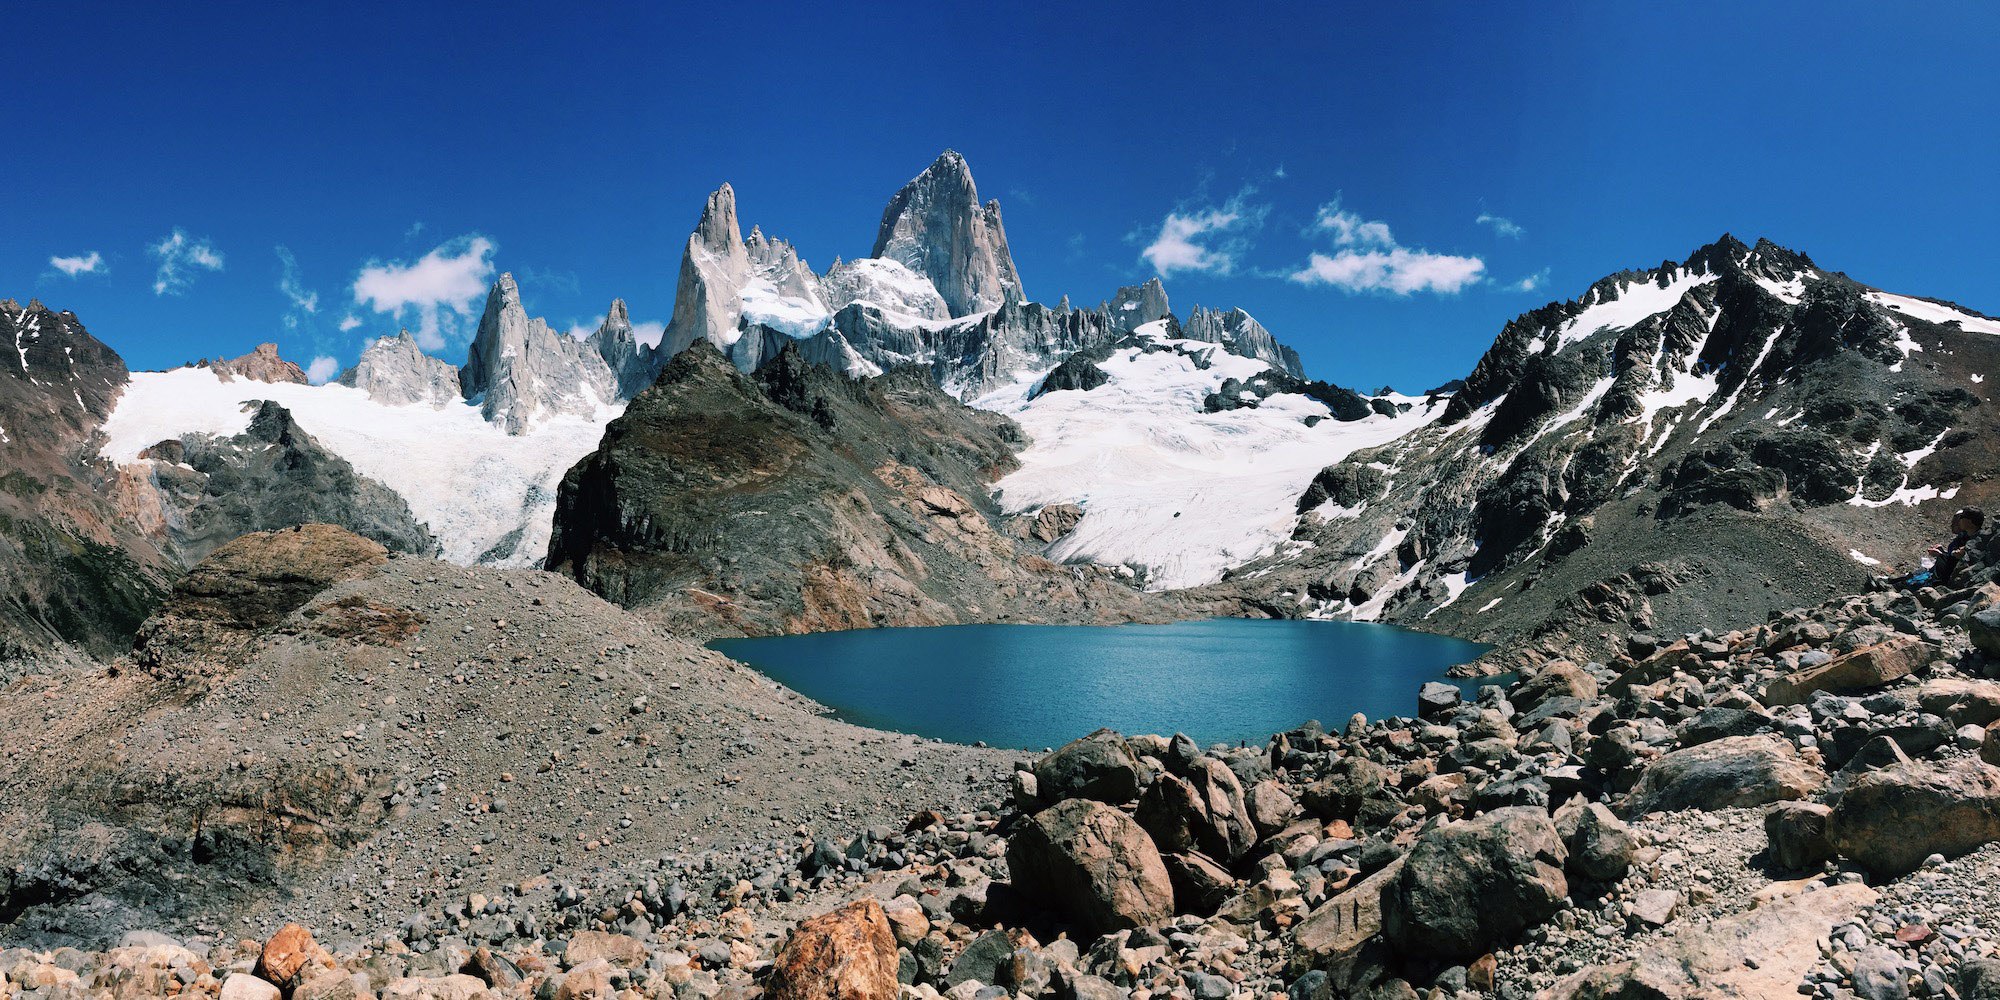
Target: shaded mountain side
x=74, y=568
x=1675, y=449
x=801, y=500
x=212, y=489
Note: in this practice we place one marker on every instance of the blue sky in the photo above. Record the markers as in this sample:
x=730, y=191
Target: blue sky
x=193, y=183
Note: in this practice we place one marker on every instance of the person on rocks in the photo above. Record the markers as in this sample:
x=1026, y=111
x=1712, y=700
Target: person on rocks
x=1944, y=556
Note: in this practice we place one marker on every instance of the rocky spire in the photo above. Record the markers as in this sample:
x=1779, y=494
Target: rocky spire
x=396, y=372
x=936, y=227
x=520, y=370
x=633, y=365
x=1239, y=333
x=714, y=267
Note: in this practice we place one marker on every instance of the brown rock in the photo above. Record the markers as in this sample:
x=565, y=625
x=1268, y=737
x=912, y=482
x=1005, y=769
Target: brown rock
x=1889, y=820
x=1965, y=702
x=1725, y=773
x=1989, y=748
x=848, y=954
x=1866, y=668
x=1054, y=521
x=1200, y=885
x=1555, y=679
x=333, y=984
x=261, y=365
x=239, y=986
x=591, y=979
x=285, y=956
x=1344, y=923
x=618, y=949
x=1271, y=807
x=1092, y=864
x=1797, y=834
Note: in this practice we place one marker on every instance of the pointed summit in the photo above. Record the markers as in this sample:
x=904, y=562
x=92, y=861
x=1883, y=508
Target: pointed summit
x=520, y=370
x=936, y=227
x=714, y=267
x=633, y=365
x=1137, y=305
x=718, y=230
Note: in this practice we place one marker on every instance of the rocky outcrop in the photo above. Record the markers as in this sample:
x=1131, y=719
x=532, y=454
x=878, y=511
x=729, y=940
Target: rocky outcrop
x=1735, y=771
x=1470, y=886
x=260, y=365
x=394, y=371
x=1240, y=333
x=887, y=285
x=936, y=227
x=784, y=503
x=1137, y=305
x=521, y=371
x=273, y=475
x=1889, y=820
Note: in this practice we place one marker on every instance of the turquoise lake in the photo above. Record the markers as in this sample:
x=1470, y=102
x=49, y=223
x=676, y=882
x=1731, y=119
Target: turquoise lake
x=1033, y=686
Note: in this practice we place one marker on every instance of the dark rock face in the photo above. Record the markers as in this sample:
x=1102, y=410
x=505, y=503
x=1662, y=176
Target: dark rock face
x=1346, y=404
x=802, y=499
x=78, y=567
x=1097, y=766
x=1077, y=372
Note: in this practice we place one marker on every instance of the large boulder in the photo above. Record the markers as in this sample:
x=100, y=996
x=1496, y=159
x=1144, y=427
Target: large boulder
x=1469, y=887
x=1093, y=865
x=1964, y=702
x=1098, y=766
x=1796, y=832
x=1862, y=670
x=1983, y=628
x=1556, y=679
x=1889, y=820
x=848, y=954
x=1730, y=772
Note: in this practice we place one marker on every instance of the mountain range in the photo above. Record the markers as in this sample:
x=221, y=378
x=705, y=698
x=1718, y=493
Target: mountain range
x=909, y=438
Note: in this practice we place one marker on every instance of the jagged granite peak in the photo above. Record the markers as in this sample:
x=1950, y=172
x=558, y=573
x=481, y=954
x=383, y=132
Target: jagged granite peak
x=886, y=284
x=1136, y=305
x=633, y=365
x=396, y=372
x=708, y=299
x=261, y=365
x=1239, y=333
x=937, y=227
x=521, y=371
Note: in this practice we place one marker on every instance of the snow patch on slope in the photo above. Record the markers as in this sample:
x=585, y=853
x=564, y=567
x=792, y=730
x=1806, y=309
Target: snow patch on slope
x=1166, y=487
x=466, y=480
x=1635, y=303
x=1931, y=312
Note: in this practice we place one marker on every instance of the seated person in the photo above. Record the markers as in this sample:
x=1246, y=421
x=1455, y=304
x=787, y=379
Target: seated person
x=1945, y=555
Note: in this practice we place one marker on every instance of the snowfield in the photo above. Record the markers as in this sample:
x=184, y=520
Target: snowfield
x=467, y=481
x=1166, y=488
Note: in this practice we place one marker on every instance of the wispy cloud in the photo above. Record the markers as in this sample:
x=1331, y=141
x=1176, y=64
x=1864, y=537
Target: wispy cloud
x=304, y=302
x=349, y=322
x=1532, y=282
x=1210, y=239
x=89, y=263
x=440, y=288
x=322, y=370
x=1501, y=226
x=1370, y=259
x=1349, y=229
x=181, y=258
x=1279, y=173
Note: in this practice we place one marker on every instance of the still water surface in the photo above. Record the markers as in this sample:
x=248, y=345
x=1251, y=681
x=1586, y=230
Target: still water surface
x=1033, y=686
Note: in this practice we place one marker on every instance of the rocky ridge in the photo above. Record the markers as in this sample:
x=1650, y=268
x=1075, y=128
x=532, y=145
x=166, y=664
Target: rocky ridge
x=1735, y=431
x=394, y=371
x=521, y=371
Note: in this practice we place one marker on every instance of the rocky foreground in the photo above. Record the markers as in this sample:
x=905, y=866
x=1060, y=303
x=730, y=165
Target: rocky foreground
x=1807, y=806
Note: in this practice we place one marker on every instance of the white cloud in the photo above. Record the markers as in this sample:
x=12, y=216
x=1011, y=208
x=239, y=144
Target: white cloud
x=349, y=322
x=1401, y=271
x=1502, y=226
x=1533, y=281
x=289, y=283
x=1349, y=229
x=322, y=370
x=441, y=287
x=180, y=257
x=90, y=263
x=1370, y=259
x=1280, y=172
x=1206, y=239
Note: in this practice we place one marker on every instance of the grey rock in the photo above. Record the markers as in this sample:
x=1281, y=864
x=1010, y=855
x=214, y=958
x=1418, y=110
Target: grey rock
x=1468, y=887
x=936, y=227
x=394, y=371
x=1240, y=333
x=521, y=370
